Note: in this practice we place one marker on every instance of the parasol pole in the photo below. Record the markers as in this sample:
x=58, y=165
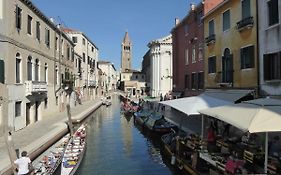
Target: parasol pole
x=266, y=153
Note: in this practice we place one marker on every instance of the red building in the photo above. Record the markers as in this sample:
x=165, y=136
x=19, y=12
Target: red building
x=188, y=50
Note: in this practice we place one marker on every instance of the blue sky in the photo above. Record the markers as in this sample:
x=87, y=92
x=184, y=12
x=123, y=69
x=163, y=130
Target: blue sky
x=106, y=21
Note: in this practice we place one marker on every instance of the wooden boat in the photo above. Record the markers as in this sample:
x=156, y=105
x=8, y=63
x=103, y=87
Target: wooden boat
x=157, y=123
x=183, y=153
x=49, y=161
x=141, y=117
x=74, y=152
x=106, y=103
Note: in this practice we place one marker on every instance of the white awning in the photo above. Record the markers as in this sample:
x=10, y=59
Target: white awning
x=191, y=105
x=260, y=115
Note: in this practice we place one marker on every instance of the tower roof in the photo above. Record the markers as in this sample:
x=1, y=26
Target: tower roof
x=126, y=38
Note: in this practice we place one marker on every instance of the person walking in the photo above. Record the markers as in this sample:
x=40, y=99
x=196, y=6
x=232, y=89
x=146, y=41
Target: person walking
x=24, y=164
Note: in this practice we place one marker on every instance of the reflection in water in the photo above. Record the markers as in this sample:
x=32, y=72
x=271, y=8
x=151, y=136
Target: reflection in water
x=126, y=129
x=115, y=146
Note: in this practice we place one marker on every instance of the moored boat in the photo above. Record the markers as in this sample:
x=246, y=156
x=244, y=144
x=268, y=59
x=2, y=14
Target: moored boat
x=141, y=117
x=74, y=152
x=157, y=123
x=50, y=160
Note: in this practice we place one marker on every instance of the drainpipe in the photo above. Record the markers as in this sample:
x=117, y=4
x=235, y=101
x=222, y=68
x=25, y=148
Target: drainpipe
x=59, y=74
x=258, y=61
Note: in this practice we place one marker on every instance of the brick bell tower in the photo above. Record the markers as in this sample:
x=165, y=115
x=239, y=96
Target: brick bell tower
x=126, y=53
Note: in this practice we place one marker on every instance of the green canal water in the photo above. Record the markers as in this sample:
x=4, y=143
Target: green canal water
x=116, y=147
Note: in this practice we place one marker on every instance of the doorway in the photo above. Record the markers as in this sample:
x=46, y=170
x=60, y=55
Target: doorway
x=227, y=67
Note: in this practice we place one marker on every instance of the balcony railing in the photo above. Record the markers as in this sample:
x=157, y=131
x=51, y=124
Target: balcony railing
x=210, y=39
x=245, y=23
x=35, y=87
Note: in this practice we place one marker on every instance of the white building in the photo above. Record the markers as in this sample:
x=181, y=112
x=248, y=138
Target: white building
x=270, y=47
x=161, y=66
x=109, y=71
x=36, y=59
x=88, y=75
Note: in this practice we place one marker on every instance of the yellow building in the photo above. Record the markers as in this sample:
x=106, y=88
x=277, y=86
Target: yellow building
x=230, y=31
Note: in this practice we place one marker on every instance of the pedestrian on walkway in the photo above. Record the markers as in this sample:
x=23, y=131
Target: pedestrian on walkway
x=24, y=165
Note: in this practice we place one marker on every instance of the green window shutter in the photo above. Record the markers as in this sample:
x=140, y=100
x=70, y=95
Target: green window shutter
x=2, y=72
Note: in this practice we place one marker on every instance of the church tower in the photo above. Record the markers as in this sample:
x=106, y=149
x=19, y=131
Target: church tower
x=126, y=53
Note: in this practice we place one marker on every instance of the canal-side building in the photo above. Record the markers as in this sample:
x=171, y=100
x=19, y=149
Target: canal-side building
x=230, y=31
x=110, y=81
x=161, y=66
x=89, y=52
x=146, y=70
x=270, y=47
x=132, y=82
x=188, y=53
x=36, y=60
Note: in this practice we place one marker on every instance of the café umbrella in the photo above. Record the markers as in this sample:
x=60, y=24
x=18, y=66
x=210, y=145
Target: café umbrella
x=260, y=115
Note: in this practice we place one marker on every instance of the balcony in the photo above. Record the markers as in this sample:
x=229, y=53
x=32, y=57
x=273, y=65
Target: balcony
x=35, y=87
x=245, y=23
x=210, y=39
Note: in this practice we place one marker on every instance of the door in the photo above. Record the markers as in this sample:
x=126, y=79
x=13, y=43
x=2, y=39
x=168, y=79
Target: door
x=27, y=113
x=227, y=67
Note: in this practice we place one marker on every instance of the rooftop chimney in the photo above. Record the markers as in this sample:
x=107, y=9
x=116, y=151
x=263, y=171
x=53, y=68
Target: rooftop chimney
x=177, y=21
x=192, y=6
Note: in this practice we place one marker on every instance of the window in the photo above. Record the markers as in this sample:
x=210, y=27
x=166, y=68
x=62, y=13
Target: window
x=187, y=81
x=200, y=80
x=92, y=49
x=38, y=30
x=247, y=57
x=57, y=100
x=272, y=64
x=273, y=14
x=186, y=29
x=56, y=75
x=186, y=57
x=226, y=20
x=136, y=77
x=47, y=37
x=56, y=43
x=36, y=70
x=84, y=57
x=29, y=68
x=83, y=41
x=193, y=81
x=18, y=108
x=200, y=53
x=212, y=65
x=199, y=17
x=193, y=54
x=246, y=9
x=72, y=54
x=211, y=27
x=18, y=68
x=18, y=17
x=2, y=72
x=74, y=39
x=29, y=24
x=67, y=52
x=46, y=73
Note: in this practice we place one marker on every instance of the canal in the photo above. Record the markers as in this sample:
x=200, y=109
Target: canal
x=115, y=146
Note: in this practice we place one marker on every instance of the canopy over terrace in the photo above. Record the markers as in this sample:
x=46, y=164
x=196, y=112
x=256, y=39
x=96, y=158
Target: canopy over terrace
x=191, y=105
x=260, y=115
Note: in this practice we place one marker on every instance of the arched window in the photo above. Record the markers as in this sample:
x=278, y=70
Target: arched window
x=37, y=70
x=18, y=68
x=29, y=68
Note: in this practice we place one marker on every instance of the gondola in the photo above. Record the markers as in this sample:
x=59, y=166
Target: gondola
x=74, y=152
